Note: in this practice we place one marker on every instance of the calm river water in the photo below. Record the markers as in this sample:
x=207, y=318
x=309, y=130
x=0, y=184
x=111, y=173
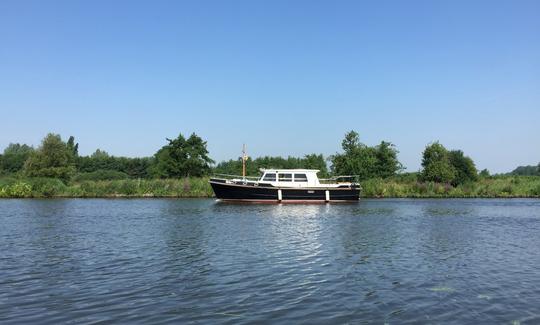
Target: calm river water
x=198, y=261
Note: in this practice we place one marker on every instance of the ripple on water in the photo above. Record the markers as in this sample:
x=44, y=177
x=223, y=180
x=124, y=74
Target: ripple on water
x=195, y=261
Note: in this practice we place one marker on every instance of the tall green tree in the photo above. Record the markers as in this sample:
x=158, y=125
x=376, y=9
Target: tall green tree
x=182, y=157
x=315, y=161
x=73, y=147
x=484, y=173
x=52, y=159
x=14, y=157
x=464, y=167
x=387, y=161
x=436, y=164
x=364, y=161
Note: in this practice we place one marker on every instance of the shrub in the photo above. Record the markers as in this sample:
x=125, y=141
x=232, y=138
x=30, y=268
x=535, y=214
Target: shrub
x=19, y=189
x=100, y=175
x=47, y=187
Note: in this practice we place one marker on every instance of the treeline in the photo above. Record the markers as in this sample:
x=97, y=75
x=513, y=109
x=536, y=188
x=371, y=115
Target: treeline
x=188, y=157
x=527, y=170
x=311, y=161
x=55, y=158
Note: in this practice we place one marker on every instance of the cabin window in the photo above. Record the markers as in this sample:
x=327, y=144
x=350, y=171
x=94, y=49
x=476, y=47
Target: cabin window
x=300, y=178
x=285, y=177
x=270, y=177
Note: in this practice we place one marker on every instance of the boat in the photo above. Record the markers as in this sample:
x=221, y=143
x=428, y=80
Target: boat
x=285, y=186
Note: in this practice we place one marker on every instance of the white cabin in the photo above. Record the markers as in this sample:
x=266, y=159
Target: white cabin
x=290, y=177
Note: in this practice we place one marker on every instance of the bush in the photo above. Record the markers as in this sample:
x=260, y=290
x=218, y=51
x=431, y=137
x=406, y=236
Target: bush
x=535, y=191
x=47, y=187
x=100, y=175
x=18, y=190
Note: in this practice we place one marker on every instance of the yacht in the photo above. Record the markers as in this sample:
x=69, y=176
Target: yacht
x=285, y=186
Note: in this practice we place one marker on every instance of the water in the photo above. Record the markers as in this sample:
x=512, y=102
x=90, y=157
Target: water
x=197, y=261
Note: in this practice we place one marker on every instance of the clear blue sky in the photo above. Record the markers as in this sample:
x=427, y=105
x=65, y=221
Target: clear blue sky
x=285, y=77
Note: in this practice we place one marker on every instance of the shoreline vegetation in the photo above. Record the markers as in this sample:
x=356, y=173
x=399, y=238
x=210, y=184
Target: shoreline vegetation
x=182, y=167
x=398, y=187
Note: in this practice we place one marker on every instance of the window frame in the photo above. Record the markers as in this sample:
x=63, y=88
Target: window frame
x=269, y=174
x=304, y=178
x=280, y=179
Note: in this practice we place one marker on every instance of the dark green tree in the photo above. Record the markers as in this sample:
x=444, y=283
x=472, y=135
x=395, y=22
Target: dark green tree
x=527, y=170
x=465, y=170
x=314, y=161
x=52, y=159
x=253, y=166
x=387, y=161
x=436, y=165
x=484, y=173
x=364, y=161
x=14, y=157
x=73, y=147
x=182, y=157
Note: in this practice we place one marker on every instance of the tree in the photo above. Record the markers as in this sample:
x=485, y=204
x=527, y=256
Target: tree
x=101, y=161
x=364, y=161
x=100, y=154
x=351, y=142
x=73, y=147
x=484, y=173
x=464, y=167
x=182, y=157
x=310, y=161
x=387, y=162
x=14, y=157
x=436, y=164
x=314, y=161
x=52, y=159
x=527, y=170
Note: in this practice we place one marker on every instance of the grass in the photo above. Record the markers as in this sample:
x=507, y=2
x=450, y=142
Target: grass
x=397, y=187
x=490, y=187
x=47, y=187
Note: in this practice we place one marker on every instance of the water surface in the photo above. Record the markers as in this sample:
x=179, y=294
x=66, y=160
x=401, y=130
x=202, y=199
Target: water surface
x=198, y=261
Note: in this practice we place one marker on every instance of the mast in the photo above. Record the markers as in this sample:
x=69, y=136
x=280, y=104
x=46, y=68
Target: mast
x=244, y=158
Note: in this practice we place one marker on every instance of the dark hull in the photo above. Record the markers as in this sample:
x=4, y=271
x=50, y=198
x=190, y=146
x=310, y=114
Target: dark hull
x=267, y=193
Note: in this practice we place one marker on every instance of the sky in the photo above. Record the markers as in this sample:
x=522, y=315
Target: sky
x=283, y=77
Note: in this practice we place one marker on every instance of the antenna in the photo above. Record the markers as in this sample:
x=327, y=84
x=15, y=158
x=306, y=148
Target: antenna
x=244, y=158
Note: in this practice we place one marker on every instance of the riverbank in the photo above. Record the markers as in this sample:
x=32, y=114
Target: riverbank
x=396, y=187
x=50, y=188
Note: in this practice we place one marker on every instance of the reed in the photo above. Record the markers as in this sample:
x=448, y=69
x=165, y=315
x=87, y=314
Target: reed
x=401, y=186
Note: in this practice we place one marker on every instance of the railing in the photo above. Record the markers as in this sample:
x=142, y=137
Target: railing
x=340, y=179
x=228, y=176
x=335, y=179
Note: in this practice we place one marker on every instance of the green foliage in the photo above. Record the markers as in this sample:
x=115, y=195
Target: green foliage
x=387, y=162
x=182, y=157
x=72, y=146
x=14, y=157
x=443, y=166
x=367, y=162
x=310, y=161
x=52, y=159
x=101, y=161
x=502, y=186
x=47, y=187
x=527, y=170
x=100, y=175
x=484, y=173
x=16, y=190
x=464, y=167
x=436, y=164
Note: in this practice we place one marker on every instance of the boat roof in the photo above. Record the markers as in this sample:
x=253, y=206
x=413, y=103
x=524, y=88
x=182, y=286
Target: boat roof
x=271, y=170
